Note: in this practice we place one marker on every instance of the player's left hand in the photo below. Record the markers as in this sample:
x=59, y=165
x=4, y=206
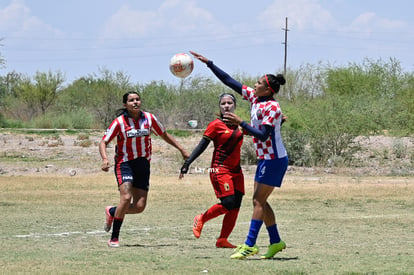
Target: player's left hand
x=231, y=119
x=184, y=170
x=284, y=119
x=199, y=57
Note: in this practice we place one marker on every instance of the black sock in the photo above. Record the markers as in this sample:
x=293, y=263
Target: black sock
x=116, y=228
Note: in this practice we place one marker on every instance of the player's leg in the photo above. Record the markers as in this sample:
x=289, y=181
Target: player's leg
x=277, y=172
x=223, y=186
x=125, y=191
x=232, y=203
x=139, y=201
x=141, y=175
x=249, y=248
x=124, y=176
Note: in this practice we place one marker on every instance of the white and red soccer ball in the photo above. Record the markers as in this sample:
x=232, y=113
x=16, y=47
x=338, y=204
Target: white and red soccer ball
x=181, y=65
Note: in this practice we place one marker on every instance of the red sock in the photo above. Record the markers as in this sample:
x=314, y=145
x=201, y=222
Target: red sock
x=229, y=221
x=214, y=211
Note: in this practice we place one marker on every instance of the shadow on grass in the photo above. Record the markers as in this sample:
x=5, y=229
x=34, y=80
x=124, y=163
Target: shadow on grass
x=279, y=259
x=257, y=259
x=148, y=245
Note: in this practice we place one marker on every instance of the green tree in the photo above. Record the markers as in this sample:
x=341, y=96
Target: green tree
x=39, y=94
x=99, y=94
x=404, y=108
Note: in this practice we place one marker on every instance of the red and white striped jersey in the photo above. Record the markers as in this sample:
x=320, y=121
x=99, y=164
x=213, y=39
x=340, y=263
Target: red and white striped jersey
x=133, y=137
x=266, y=113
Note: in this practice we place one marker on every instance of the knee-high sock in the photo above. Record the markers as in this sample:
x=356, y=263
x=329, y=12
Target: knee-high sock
x=116, y=228
x=253, y=232
x=273, y=234
x=214, y=211
x=229, y=221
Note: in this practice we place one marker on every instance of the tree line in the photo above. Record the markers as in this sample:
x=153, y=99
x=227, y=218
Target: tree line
x=327, y=106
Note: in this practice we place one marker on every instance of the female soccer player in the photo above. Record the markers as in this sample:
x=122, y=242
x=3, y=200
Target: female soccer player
x=132, y=129
x=266, y=119
x=225, y=173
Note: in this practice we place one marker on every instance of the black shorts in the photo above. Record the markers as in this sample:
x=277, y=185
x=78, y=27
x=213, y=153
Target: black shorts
x=136, y=171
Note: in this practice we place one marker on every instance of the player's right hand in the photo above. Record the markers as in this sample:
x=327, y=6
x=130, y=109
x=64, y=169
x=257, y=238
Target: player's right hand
x=105, y=165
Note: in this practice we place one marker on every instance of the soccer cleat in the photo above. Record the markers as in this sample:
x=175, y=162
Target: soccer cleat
x=113, y=243
x=224, y=243
x=198, y=226
x=244, y=251
x=273, y=249
x=109, y=219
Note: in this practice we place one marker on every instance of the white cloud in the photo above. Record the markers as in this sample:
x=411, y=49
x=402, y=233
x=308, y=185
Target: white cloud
x=16, y=20
x=186, y=16
x=302, y=15
x=175, y=16
x=131, y=23
x=369, y=21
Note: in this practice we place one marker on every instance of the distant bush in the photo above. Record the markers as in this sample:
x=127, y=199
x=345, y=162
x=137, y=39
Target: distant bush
x=327, y=107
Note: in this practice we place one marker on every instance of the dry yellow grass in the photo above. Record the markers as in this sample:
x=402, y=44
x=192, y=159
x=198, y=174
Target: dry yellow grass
x=331, y=224
x=52, y=222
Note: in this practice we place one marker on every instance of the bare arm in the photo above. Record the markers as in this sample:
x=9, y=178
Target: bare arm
x=105, y=162
x=170, y=140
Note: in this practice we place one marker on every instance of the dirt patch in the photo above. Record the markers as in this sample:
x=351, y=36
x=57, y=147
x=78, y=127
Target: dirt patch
x=78, y=154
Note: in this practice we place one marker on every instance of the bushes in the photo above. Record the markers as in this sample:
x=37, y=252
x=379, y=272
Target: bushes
x=81, y=119
x=326, y=107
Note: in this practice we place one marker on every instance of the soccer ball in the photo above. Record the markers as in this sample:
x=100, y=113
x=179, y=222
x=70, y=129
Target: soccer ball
x=181, y=65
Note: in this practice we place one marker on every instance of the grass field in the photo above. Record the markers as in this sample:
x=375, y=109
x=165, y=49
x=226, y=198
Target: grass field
x=332, y=225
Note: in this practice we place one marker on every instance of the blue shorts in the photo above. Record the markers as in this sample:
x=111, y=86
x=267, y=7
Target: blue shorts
x=136, y=171
x=271, y=172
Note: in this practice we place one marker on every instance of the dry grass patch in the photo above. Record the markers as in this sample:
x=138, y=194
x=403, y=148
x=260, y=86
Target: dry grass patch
x=332, y=225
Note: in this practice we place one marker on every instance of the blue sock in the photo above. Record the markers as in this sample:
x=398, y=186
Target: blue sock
x=273, y=234
x=253, y=232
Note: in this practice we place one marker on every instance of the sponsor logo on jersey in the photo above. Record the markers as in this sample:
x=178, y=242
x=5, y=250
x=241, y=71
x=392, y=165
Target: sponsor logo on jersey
x=137, y=133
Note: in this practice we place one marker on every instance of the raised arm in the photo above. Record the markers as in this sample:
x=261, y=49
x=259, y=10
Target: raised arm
x=222, y=75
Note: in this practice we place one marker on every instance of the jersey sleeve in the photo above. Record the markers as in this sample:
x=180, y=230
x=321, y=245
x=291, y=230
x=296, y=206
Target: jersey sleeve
x=210, y=131
x=225, y=77
x=112, y=131
x=157, y=128
x=247, y=93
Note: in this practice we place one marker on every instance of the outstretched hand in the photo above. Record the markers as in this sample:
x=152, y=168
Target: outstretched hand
x=199, y=57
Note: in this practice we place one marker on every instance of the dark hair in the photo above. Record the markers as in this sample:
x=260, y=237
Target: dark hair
x=125, y=96
x=124, y=100
x=275, y=81
x=229, y=95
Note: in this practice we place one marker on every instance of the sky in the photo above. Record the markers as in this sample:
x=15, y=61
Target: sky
x=138, y=38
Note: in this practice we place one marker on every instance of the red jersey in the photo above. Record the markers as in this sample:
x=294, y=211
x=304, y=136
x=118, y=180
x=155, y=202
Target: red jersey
x=133, y=137
x=227, y=145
